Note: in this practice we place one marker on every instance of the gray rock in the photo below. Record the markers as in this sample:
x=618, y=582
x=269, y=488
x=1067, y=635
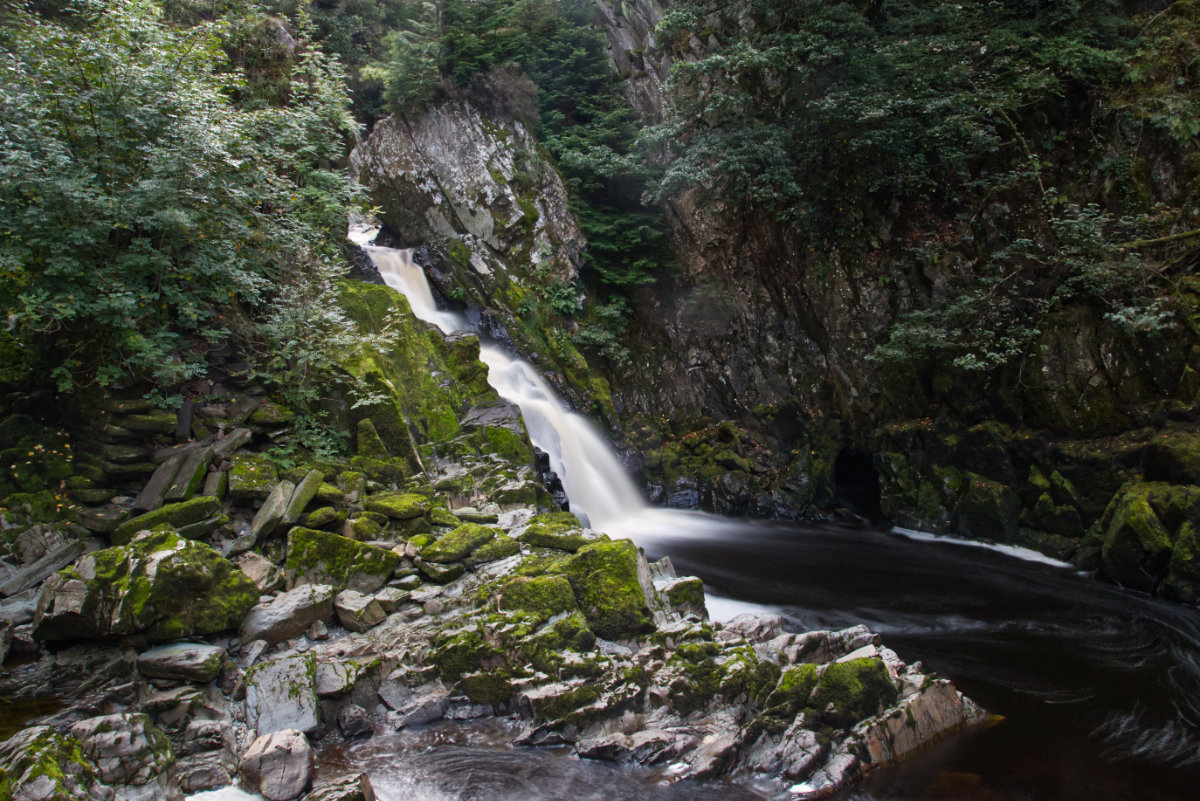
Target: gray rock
x=224, y=448
x=335, y=677
x=264, y=573
x=414, y=706
x=755, y=628
x=103, y=519
x=390, y=598
x=270, y=515
x=185, y=661
x=6, y=635
x=131, y=752
x=358, y=612
x=190, y=477
x=19, y=608
x=207, y=758
x=302, y=495
x=155, y=491
x=353, y=722
x=278, y=765
x=290, y=614
x=350, y=788
x=37, y=572
x=282, y=694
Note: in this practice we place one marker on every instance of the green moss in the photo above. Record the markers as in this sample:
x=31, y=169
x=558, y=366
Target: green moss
x=399, y=505
x=559, y=530
x=500, y=548
x=604, y=578
x=251, y=477
x=543, y=596
x=491, y=687
x=1135, y=545
x=987, y=510
x=686, y=595
x=1182, y=582
x=563, y=704
x=175, y=515
x=848, y=692
x=459, y=543
x=322, y=557
x=369, y=443
x=441, y=573
x=325, y=516
x=461, y=652
x=328, y=493
x=796, y=684
x=52, y=763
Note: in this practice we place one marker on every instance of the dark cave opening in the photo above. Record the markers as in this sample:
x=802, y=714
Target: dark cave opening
x=856, y=484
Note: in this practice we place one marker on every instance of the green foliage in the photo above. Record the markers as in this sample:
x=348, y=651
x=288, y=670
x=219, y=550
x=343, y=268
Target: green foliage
x=140, y=208
x=825, y=112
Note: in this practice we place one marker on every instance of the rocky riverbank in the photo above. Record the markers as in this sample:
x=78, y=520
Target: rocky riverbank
x=190, y=613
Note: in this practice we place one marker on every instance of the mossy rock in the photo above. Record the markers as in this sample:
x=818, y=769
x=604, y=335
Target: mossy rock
x=174, y=515
x=159, y=585
x=369, y=443
x=458, y=543
x=1182, y=582
x=324, y=516
x=559, y=530
x=541, y=596
x=500, y=548
x=399, y=505
x=272, y=414
x=606, y=578
x=1135, y=541
x=848, y=692
x=328, y=493
x=321, y=557
x=489, y=687
x=442, y=574
x=791, y=694
x=52, y=765
x=461, y=652
x=987, y=510
x=251, y=477
x=1173, y=456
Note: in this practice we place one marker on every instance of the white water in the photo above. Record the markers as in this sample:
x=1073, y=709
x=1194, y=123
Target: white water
x=598, y=486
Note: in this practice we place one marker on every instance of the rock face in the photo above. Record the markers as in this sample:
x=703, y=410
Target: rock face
x=131, y=752
x=282, y=694
x=158, y=585
x=278, y=765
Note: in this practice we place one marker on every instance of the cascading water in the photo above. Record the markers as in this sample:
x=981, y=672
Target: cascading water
x=598, y=486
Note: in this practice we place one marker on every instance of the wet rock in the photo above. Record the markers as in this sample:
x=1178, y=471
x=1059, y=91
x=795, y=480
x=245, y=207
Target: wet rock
x=278, y=765
x=358, y=612
x=351, y=788
x=184, y=661
x=755, y=628
x=129, y=751
x=919, y=719
x=414, y=706
x=560, y=531
x=612, y=586
x=322, y=557
x=353, y=722
x=39, y=764
x=289, y=615
x=282, y=694
x=158, y=585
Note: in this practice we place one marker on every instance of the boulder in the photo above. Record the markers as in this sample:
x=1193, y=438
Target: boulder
x=559, y=530
x=414, y=706
x=399, y=505
x=322, y=557
x=252, y=477
x=190, y=476
x=353, y=722
x=174, y=515
x=131, y=752
x=282, y=694
x=271, y=513
x=159, y=585
x=289, y=615
x=39, y=764
x=155, y=491
x=358, y=612
x=302, y=496
x=278, y=765
x=611, y=583
x=263, y=572
x=458, y=544
x=184, y=661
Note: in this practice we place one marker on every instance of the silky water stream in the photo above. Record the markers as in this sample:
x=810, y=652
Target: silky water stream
x=1099, y=688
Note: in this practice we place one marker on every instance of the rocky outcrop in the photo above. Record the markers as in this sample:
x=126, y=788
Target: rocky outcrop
x=278, y=765
x=158, y=585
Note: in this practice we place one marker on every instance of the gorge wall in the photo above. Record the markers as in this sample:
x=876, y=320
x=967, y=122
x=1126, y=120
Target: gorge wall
x=750, y=387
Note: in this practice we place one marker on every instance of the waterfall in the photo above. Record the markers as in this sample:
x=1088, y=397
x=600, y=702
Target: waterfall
x=600, y=491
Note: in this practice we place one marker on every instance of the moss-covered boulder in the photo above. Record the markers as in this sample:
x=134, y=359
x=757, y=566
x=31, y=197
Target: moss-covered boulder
x=791, y=694
x=459, y=543
x=559, y=530
x=540, y=596
x=850, y=691
x=160, y=585
x=41, y=763
x=321, y=557
x=987, y=510
x=609, y=579
x=399, y=505
x=173, y=515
